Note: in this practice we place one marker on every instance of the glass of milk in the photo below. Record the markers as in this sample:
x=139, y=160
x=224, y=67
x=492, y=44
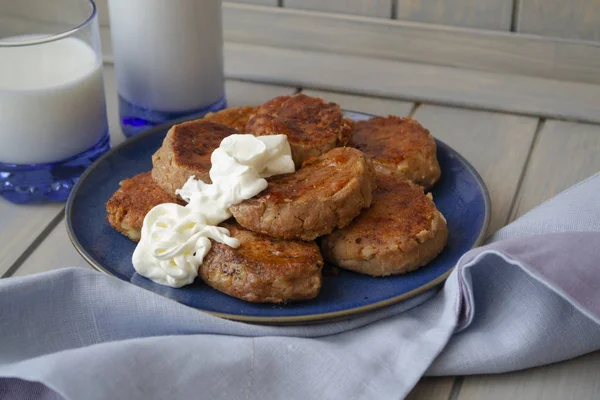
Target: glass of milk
x=52, y=109
x=168, y=58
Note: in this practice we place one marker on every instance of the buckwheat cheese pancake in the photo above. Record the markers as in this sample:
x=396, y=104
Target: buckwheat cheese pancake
x=327, y=192
x=312, y=125
x=400, y=147
x=186, y=152
x=400, y=232
x=235, y=117
x=263, y=269
x=132, y=201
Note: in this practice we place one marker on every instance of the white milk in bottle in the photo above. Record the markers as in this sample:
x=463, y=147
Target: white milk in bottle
x=168, y=53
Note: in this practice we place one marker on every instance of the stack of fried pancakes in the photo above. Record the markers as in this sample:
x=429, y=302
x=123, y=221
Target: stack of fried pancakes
x=356, y=199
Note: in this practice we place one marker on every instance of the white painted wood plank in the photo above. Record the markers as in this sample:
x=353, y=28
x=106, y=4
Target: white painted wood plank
x=20, y=225
x=485, y=50
x=106, y=41
x=272, y=3
x=577, y=379
x=432, y=389
x=370, y=105
x=112, y=106
x=415, y=82
x=104, y=20
x=369, y=8
x=50, y=12
x=564, y=154
x=574, y=19
x=483, y=14
x=55, y=252
x=496, y=144
x=102, y=7
x=240, y=93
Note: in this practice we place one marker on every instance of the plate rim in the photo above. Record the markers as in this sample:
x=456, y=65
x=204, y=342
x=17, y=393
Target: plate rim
x=312, y=318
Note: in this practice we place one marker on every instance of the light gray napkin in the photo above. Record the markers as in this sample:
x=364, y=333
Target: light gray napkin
x=513, y=304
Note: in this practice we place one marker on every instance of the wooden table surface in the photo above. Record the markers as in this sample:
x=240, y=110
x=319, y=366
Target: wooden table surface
x=523, y=160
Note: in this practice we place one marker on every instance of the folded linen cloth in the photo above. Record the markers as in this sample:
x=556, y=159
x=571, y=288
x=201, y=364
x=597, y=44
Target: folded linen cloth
x=529, y=297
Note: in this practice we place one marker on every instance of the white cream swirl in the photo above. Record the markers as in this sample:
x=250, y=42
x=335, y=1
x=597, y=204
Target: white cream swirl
x=175, y=239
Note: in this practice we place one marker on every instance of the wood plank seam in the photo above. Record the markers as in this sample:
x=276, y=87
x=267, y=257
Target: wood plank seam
x=515, y=15
x=34, y=244
x=366, y=8
x=498, y=110
x=456, y=387
x=493, y=15
x=394, y=10
x=366, y=104
x=518, y=15
x=297, y=89
x=353, y=93
x=414, y=109
x=574, y=19
x=534, y=142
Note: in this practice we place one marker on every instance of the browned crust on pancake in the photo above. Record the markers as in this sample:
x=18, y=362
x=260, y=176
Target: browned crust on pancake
x=186, y=152
x=312, y=125
x=327, y=192
x=263, y=269
x=402, y=231
x=236, y=117
x=400, y=147
x=132, y=201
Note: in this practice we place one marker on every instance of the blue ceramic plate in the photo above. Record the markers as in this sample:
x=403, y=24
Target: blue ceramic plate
x=460, y=195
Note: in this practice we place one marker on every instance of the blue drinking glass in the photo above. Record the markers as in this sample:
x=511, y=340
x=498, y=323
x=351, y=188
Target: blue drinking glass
x=136, y=119
x=53, y=121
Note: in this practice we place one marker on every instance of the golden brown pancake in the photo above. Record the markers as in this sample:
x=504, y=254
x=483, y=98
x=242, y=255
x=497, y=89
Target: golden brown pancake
x=327, y=192
x=236, y=117
x=400, y=147
x=400, y=232
x=263, y=269
x=312, y=125
x=186, y=152
x=132, y=201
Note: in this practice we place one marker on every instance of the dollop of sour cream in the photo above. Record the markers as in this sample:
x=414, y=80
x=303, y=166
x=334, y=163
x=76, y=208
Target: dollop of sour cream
x=175, y=239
